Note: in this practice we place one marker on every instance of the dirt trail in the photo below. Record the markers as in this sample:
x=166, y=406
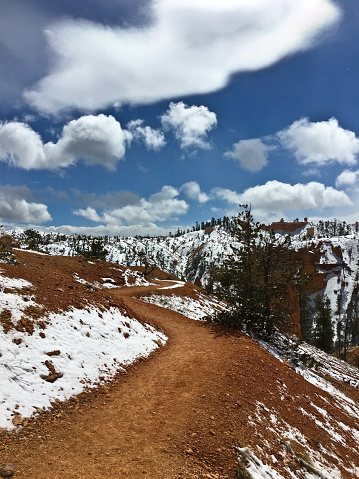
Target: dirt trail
x=143, y=426
x=177, y=414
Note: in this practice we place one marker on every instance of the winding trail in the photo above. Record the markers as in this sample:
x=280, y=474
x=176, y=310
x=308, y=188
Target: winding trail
x=144, y=425
x=179, y=413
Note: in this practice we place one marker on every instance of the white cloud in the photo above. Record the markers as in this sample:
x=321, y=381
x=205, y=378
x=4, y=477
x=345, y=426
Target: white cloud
x=250, y=154
x=89, y=213
x=276, y=196
x=21, y=146
x=150, y=229
x=190, y=124
x=320, y=143
x=94, y=139
x=154, y=139
x=347, y=177
x=231, y=197
x=193, y=191
x=160, y=206
x=191, y=47
x=14, y=206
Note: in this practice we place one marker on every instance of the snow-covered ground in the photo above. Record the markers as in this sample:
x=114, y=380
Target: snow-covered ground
x=194, y=254
x=132, y=278
x=192, y=308
x=323, y=365
x=76, y=350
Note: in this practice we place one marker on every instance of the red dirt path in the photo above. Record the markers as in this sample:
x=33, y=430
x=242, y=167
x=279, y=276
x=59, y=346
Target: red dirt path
x=178, y=413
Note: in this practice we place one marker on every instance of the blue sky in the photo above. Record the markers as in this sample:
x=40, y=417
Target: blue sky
x=140, y=117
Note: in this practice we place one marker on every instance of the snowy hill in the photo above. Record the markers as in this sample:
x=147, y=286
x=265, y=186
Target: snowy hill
x=329, y=252
x=192, y=255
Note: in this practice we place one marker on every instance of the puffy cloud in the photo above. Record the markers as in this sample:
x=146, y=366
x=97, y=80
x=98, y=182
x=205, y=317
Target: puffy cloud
x=231, y=197
x=161, y=206
x=193, y=191
x=94, y=139
x=347, y=177
x=14, y=206
x=191, y=47
x=90, y=214
x=320, y=143
x=190, y=124
x=250, y=154
x=154, y=139
x=276, y=196
x=21, y=146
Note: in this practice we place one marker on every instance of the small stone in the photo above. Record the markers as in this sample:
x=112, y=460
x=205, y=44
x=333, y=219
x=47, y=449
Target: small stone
x=189, y=451
x=212, y=432
x=7, y=470
x=17, y=420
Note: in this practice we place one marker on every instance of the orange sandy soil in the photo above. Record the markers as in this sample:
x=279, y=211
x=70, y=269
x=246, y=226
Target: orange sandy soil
x=177, y=414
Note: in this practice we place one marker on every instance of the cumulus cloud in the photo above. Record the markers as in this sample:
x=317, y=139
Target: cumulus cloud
x=347, y=177
x=320, y=143
x=161, y=206
x=191, y=47
x=21, y=146
x=153, y=139
x=94, y=139
x=230, y=196
x=277, y=196
x=193, y=191
x=14, y=206
x=250, y=154
x=190, y=124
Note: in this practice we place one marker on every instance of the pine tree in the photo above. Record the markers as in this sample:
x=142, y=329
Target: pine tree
x=257, y=280
x=306, y=314
x=323, y=333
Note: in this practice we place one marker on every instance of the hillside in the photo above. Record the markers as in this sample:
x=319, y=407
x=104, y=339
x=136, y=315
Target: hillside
x=207, y=402
x=329, y=251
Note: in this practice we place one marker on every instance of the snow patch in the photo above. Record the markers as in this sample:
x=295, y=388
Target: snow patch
x=85, y=346
x=196, y=309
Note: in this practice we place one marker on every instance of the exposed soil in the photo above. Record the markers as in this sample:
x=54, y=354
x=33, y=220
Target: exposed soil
x=177, y=414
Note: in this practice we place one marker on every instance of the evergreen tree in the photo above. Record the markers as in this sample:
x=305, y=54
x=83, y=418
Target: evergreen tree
x=323, y=333
x=257, y=280
x=306, y=313
x=33, y=239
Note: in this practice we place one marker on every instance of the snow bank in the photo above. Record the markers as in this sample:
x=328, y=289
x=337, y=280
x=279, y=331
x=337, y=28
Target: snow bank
x=192, y=308
x=80, y=346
